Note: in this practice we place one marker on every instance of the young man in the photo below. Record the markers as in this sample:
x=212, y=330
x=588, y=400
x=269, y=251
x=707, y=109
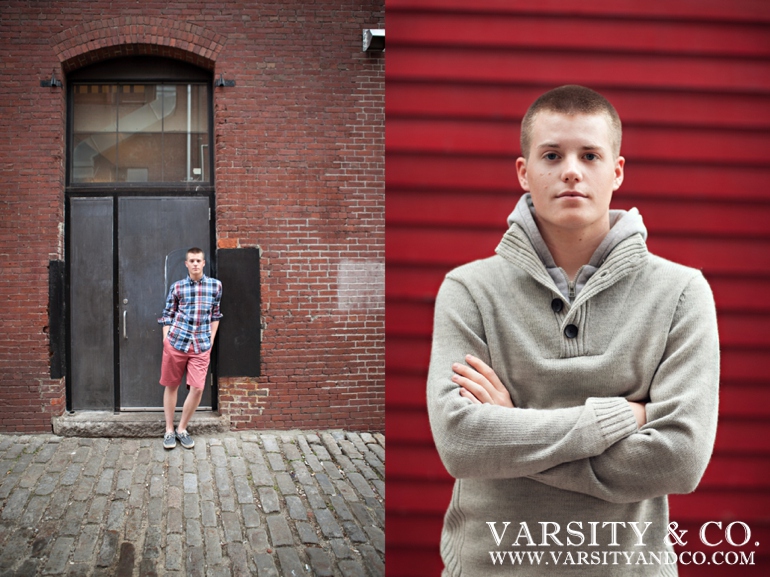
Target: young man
x=190, y=322
x=589, y=386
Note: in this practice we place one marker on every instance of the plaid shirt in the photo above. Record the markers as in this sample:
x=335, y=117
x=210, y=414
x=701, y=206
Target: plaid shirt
x=190, y=308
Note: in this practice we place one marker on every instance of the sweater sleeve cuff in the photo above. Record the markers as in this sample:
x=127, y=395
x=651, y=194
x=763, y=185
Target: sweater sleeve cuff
x=614, y=416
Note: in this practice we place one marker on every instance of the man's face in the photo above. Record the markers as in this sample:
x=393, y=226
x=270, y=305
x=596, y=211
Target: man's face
x=571, y=173
x=195, y=263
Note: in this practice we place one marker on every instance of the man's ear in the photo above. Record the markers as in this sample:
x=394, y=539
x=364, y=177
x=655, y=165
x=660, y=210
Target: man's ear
x=620, y=163
x=521, y=171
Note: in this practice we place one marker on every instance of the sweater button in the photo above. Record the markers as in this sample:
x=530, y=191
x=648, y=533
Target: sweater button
x=570, y=331
x=557, y=305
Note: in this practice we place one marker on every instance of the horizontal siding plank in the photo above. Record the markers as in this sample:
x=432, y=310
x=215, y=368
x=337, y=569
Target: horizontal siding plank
x=413, y=530
x=558, y=33
x=444, y=172
x=731, y=293
x=694, y=181
x=735, y=329
x=453, y=247
x=472, y=175
x=743, y=437
x=685, y=144
x=405, y=393
x=750, y=506
x=413, y=283
x=419, y=463
x=501, y=138
x=414, y=562
x=408, y=424
x=420, y=497
x=410, y=319
x=406, y=355
x=728, y=472
x=744, y=330
x=745, y=401
x=525, y=66
x=406, y=405
x=744, y=367
x=672, y=215
x=636, y=107
x=498, y=138
x=691, y=10
x=431, y=246
x=702, y=505
x=709, y=217
x=740, y=293
x=410, y=427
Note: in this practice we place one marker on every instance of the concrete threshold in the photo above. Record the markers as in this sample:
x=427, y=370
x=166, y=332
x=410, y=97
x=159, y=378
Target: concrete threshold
x=133, y=424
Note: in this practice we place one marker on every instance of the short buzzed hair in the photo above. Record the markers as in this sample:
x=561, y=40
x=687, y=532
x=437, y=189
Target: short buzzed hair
x=194, y=250
x=571, y=99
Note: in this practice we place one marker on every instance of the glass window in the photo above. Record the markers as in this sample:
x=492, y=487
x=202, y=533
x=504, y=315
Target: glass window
x=130, y=132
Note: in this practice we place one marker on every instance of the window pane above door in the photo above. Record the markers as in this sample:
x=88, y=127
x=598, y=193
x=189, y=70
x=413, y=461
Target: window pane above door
x=130, y=132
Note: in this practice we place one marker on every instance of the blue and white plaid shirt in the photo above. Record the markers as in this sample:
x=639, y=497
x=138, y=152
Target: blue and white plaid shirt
x=190, y=309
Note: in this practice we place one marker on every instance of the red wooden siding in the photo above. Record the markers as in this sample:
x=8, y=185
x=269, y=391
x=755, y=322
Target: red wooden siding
x=691, y=81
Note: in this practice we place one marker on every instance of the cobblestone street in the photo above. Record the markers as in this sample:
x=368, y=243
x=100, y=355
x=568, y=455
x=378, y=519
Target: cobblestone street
x=240, y=503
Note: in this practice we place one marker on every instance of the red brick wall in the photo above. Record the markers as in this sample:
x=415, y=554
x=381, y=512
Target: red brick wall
x=299, y=158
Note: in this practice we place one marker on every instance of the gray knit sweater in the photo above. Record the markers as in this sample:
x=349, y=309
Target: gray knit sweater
x=567, y=475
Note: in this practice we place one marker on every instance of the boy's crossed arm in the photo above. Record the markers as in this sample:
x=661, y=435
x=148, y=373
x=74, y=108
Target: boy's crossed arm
x=479, y=384
x=596, y=448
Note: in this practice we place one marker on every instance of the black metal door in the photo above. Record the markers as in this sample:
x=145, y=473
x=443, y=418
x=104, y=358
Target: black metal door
x=153, y=234
x=92, y=296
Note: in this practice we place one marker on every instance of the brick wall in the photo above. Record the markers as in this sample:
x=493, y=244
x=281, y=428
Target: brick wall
x=299, y=166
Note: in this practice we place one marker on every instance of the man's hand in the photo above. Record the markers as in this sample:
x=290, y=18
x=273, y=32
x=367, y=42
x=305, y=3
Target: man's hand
x=639, y=412
x=214, y=329
x=479, y=383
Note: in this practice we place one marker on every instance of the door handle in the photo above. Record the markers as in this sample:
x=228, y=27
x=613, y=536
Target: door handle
x=125, y=336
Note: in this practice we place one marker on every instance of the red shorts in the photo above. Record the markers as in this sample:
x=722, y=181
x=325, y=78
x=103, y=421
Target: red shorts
x=175, y=363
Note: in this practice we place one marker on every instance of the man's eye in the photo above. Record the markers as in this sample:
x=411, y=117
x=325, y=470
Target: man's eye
x=591, y=156
x=551, y=156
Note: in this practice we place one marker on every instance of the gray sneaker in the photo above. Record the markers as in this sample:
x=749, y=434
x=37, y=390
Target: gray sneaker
x=169, y=440
x=185, y=439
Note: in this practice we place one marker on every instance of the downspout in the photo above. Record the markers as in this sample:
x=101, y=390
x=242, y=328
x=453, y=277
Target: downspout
x=189, y=128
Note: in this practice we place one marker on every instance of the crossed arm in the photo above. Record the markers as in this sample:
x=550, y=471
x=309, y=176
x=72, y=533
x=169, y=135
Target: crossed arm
x=609, y=448
x=479, y=384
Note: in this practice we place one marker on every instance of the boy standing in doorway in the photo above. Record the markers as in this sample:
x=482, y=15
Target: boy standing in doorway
x=190, y=321
x=573, y=380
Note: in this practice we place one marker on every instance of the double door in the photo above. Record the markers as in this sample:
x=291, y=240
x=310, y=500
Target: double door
x=124, y=253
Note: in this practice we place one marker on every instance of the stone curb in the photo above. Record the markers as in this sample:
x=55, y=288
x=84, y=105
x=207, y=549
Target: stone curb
x=151, y=424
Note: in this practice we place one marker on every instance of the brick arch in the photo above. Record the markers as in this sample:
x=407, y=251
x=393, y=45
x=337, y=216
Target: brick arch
x=92, y=42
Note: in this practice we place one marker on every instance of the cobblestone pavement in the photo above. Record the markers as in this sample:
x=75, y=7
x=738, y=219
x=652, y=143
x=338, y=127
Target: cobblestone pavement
x=241, y=503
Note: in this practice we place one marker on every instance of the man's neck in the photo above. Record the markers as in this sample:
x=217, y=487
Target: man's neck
x=196, y=278
x=571, y=249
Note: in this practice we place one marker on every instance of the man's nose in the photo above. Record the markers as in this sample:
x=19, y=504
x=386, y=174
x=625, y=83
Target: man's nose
x=571, y=170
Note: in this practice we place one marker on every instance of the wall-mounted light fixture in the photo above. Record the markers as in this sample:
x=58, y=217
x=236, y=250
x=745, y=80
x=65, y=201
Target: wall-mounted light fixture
x=374, y=40
x=52, y=82
x=221, y=82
